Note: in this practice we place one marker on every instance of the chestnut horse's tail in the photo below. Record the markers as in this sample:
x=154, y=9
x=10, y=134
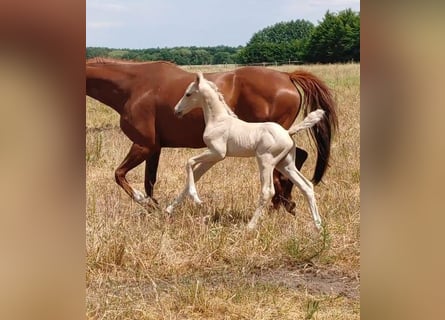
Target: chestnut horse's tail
x=316, y=94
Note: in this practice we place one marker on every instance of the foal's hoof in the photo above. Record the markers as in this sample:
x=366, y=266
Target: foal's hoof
x=251, y=226
x=319, y=226
x=169, y=209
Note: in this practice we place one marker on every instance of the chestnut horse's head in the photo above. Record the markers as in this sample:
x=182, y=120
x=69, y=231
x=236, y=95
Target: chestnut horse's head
x=191, y=99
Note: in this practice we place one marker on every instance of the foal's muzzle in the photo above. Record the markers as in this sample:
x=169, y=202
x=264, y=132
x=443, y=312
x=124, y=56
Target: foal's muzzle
x=179, y=113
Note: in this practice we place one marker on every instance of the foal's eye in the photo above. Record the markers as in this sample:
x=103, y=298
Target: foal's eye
x=188, y=94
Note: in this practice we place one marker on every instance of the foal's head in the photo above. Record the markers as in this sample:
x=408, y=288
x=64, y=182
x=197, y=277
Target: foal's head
x=191, y=99
x=195, y=94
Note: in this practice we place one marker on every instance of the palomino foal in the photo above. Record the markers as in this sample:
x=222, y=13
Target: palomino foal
x=226, y=135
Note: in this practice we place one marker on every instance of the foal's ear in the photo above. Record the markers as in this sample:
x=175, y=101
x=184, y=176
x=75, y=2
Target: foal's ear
x=199, y=77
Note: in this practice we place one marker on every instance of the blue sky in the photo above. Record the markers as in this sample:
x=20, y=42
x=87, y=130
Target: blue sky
x=138, y=24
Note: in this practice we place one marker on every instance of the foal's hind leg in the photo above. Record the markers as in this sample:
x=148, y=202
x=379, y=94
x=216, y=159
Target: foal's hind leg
x=267, y=188
x=287, y=167
x=283, y=185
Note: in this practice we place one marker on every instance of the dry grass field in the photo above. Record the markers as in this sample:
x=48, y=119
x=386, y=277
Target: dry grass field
x=203, y=264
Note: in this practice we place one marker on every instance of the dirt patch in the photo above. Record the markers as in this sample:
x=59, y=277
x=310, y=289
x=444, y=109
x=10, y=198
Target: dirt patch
x=314, y=280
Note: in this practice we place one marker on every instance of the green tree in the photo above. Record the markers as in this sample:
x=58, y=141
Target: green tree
x=278, y=43
x=180, y=55
x=200, y=56
x=283, y=32
x=117, y=54
x=92, y=52
x=335, y=39
x=222, y=57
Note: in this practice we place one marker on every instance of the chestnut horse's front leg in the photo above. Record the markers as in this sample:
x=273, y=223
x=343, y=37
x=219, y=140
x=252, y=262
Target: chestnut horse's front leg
x=135, y=157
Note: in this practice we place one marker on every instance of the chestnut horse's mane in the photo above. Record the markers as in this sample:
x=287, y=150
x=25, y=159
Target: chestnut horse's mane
x=102, y=60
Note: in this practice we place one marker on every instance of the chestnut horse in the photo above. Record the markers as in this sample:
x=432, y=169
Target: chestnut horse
x=145, y=93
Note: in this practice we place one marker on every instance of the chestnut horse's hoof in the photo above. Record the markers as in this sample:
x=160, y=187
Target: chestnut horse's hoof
x=290, y=206
x=149, y=203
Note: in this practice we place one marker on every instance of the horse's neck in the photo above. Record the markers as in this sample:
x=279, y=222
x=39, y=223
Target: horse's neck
x=214, y=109
x=107, y=86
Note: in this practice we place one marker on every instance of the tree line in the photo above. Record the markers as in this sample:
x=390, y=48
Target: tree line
x=335, y=39
x=180, y=55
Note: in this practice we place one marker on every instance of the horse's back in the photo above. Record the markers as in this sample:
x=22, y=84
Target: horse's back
x=264, y=79
x=266, y=95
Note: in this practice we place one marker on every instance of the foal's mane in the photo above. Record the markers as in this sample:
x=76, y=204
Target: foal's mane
x=221, y=98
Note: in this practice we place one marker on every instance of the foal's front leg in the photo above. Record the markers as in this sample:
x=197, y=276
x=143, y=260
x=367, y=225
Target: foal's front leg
x=200, y=164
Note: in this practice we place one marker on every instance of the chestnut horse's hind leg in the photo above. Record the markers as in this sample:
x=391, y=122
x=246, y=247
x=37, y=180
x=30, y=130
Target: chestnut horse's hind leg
x=151, y=169
x=284, y=186
x=135, y=157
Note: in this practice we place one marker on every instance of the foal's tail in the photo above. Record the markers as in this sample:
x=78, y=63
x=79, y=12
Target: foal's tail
x=316, y=94
x=308, y=122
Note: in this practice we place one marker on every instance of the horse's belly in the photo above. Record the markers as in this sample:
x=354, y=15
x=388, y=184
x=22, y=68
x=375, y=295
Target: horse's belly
x=240, y=147
x=238, y=151
x=241, y=142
